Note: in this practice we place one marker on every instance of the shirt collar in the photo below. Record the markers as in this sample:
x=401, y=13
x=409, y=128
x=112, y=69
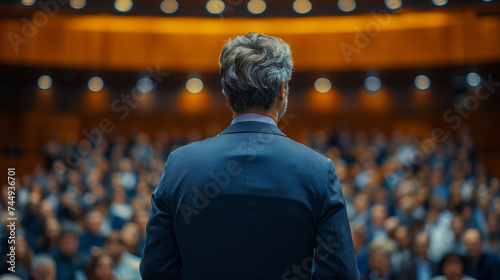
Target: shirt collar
x=253, y=117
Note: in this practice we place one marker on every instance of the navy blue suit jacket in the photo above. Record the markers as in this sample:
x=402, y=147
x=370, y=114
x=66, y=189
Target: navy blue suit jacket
x=249, y=203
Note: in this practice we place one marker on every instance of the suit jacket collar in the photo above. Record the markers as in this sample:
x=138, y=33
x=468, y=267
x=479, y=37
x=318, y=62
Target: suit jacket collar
x=253, y=126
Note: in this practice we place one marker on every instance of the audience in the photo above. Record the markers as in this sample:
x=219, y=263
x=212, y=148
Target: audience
x=84, y=214
x=451, y=267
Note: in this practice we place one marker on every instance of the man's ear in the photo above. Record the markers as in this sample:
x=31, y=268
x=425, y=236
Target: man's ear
x=283, y=90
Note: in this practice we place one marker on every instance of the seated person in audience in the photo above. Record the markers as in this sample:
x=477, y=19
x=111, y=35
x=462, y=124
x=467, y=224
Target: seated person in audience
x=358, y=232
x=120, y=209
x=9, y=277
x=43, y=267
x=361, y=208
x=401, y=234
x=127, y=176
x=417, y=266
x=70, y=262
x=23, y=256
x=492, y=238
x=141, y=218
x=100, y=267
x=130, y=235
x=451, y=267
x=379, y=261
x=51, y=231
x=458, y=228
x=126, y=265
x=478, y=264
x=376, y=229
x=93, y=237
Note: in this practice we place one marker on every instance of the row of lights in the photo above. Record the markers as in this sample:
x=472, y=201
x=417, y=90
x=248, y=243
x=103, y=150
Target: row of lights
x=195, y=85
x=253, y=6
x=144, y=84
x=374, y=84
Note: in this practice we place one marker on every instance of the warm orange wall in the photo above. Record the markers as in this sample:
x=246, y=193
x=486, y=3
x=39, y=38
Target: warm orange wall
x=410, y=39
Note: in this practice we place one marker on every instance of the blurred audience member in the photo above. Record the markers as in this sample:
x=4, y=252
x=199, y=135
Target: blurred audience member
x=100, y=267
x=126, y=265
x=478, y=264
x=23, y=256
x=458, y=228
x=379, y=261
x=378, y=216
x=403, y=240
x=92, y=237
x=9, y=277
x=127, y=176
x=43, y=267
x=417, y=265
x=492, y=236
x=49, y=238
x=358, y=232
x=120, y=209
x=451, y=267
x=70, y=262
x=130, y=235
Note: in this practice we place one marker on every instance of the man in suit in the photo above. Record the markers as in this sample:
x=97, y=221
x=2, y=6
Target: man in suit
x=249, y=203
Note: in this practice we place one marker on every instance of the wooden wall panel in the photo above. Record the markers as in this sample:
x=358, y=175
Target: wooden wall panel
x=38, y=128
x=407, y=40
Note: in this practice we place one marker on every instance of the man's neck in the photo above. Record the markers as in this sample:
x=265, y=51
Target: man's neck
x=269, y=113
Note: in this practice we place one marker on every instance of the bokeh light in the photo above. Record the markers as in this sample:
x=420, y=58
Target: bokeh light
x=473, y=79
x=347, y=5
x=422, y=82
x=145, y=85
x=28, y=2
x=44, y=82
x=169, y=6
x=373, y=83
x=194, y=85
x=302, y=6
x=123, y=5
x=256, y=6
x=439, y=2
x=77, y=4
x=215, y=6
x=322, y=85
x=95, y=84
x=393, y=4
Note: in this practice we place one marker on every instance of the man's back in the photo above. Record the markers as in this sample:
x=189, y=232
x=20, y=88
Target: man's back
x=248, y=204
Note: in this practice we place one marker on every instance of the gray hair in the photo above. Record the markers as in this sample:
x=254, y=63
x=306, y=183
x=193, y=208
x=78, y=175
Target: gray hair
x=43, y=260
x=9, y=277
x=253, y=68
